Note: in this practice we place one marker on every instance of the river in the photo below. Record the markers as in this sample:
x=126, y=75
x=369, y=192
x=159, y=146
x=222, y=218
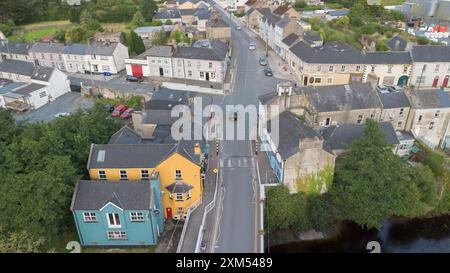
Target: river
x=423, y=235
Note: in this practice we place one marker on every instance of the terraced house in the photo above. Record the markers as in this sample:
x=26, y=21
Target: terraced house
x=14, y=51
x=179, y=166
x=337, y=63
x=431, y=66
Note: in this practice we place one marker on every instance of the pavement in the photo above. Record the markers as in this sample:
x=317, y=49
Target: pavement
x=67, y=103
x=196, y=217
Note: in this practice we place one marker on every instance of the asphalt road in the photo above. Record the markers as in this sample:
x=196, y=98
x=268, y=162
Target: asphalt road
x=236, y=220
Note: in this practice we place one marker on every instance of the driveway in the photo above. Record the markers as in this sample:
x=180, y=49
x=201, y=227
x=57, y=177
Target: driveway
x=68, y=103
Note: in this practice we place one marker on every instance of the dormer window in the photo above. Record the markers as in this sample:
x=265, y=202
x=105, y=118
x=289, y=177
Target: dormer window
x=178, y=174
x=123, y=175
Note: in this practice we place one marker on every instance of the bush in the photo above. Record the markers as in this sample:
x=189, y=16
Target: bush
x=7, y=29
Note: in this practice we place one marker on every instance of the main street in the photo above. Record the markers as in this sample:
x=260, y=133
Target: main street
x=237, y=225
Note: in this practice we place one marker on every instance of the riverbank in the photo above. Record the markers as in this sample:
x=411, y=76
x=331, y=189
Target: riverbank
x=427, y=234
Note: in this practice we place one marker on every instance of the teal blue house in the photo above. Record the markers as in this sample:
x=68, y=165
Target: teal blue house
x=118, y=213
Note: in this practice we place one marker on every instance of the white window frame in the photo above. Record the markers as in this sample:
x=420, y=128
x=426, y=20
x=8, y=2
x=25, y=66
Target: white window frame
x=137, y=216
x=179, y=197
x=123, y=176
x=102, y=173
x=117, y=235
x=90, y=217
x=117, y=223
x=178, y=174
x=145, y=174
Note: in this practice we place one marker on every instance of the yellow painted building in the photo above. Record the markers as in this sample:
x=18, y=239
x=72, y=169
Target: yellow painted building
x=178, y=164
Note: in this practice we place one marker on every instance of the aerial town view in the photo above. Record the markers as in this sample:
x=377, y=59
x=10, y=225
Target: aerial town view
x=224, y=127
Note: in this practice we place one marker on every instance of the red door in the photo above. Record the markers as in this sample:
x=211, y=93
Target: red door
x=136, y=70
x=445, y=82
x=435, y=81
x=169, y=213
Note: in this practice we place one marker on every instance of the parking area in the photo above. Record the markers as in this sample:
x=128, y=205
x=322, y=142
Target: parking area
x=67, y=103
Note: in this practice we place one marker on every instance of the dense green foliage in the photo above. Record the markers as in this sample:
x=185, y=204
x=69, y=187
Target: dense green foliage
x=39, y=165
x=19, y=242
x=370, y=184
x=26, y=11
x=135, y=44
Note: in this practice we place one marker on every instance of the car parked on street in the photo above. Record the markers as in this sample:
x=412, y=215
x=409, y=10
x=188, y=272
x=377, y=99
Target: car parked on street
x=135, y=78
x=395, y=88
x=251, y=46
x=268, y=72
x=382, y=89
x=263, y=61
x=238, y=27
x=118, y=110
x=127, y=113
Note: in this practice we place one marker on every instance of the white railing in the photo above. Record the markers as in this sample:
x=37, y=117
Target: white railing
x=183, y=232
x=208, y=208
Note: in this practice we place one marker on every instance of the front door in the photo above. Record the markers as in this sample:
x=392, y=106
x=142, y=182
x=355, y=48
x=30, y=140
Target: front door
x=402, y=81
x=207, y=76
x=435, y=81
x=161, y=71
x=169, y=213
x=445, y=82
x=305, y=81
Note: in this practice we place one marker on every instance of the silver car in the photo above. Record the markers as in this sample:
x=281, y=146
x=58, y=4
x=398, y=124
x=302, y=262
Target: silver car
x=251, y=46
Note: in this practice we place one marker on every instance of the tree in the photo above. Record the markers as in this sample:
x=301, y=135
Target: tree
x=77, y=34
x=372, y=183
x=300, y=4
x=88, y=21
x=74, y=14
x=168, y=22
x=135, y=44
x=424, y=179
x=19, y=242
x=138, y=20
x=148, y=7
x=160, y=37
x=60, y=35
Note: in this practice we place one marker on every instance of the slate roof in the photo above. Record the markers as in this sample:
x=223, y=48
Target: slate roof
x=269, y=17
x=217, y=23
x=341, y=97
x=75, y=49
x=281, y=10
x=307, y=36
x=291, y=131
x=402, y=43
x=338, y=137
x=341, y=53
x=394, y=100
x=167, y=99
x=102, y=49
x=125, y=135
x=41, y=47
x=167, y=14
x=430, y=53
x=202, y=14
x=42, y=73
x=179, y=187
x=14, y=48
x=138, y=155
x=187, y=12
x=429, y=99
x=29, y=88
x=217, y=52
x=290, y=39
x=283, y=22
x=93, y=195
x=158, y=116
x=387, y=58
x=160, y=51
x=8, y=87
x=17, y=67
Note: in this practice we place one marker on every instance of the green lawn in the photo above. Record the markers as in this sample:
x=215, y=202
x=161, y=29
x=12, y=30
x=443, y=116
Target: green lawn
x=392, y=2
x=35, y=34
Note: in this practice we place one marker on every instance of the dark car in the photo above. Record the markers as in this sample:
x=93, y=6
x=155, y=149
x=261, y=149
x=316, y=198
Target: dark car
x=135, y=79
x=109, y=107
x=268, y=72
